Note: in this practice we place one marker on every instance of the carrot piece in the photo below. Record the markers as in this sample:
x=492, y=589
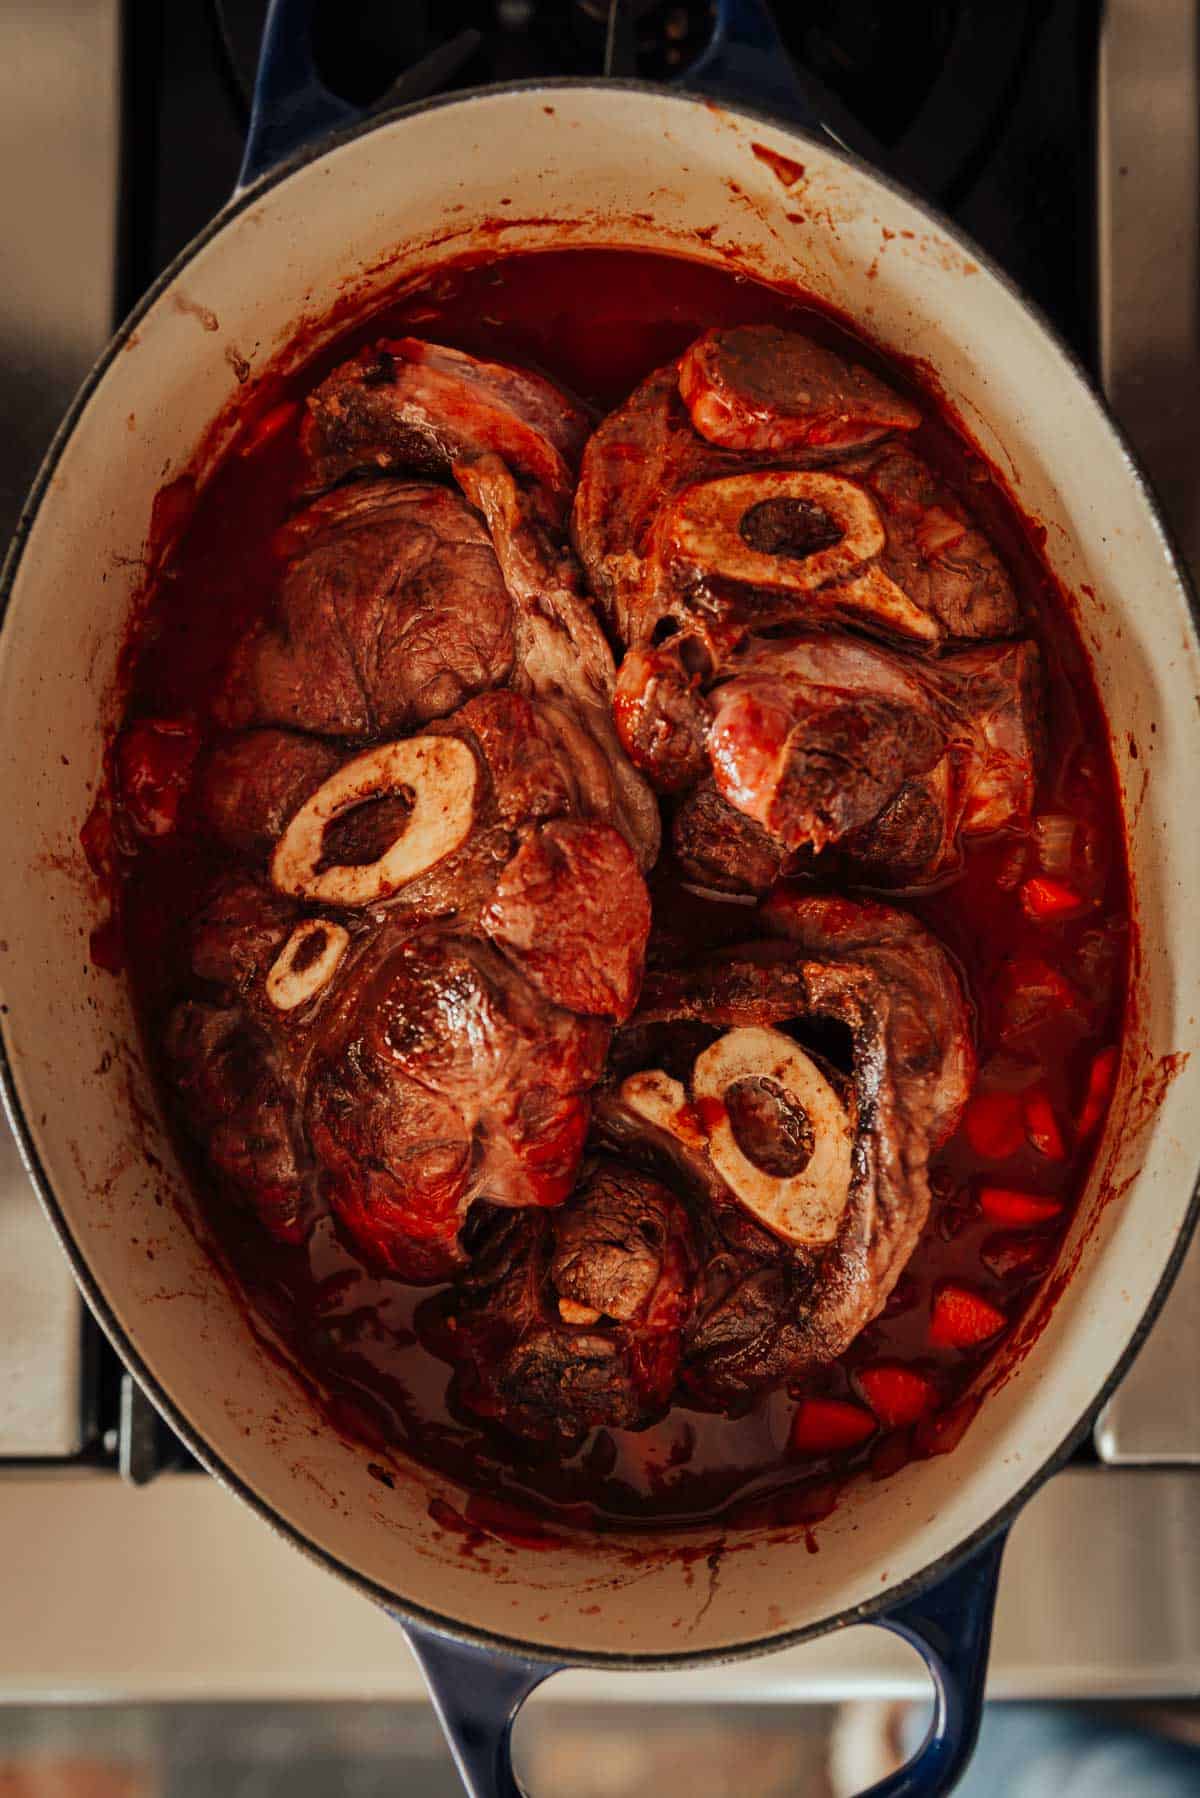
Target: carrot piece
x=1101, y=1079
x=1041, y=1125
x=1017, y=1209
x=961, y=1318
x=1046, y=900
x=994, y=1125
x=268, y=426
x=824, y=1426
x=897, y=1395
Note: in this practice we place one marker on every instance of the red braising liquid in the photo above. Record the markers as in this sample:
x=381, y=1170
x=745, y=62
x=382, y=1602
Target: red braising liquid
x=1039, y=924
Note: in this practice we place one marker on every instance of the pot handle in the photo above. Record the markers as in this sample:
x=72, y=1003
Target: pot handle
x=290, y=105
x=478, y=1694
x=745, y=60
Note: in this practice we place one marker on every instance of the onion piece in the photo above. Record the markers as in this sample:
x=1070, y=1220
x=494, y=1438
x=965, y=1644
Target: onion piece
x=1055, y=833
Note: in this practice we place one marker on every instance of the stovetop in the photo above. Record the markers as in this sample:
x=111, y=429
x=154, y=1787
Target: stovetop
x=987, y=111
x=1030, y=124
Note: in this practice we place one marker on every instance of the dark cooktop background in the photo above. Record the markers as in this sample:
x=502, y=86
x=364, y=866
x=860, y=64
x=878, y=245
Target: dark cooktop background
x=985, y=109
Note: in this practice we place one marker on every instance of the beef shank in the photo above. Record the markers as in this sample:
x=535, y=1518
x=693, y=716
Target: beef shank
x=825, y=741
x=794, y=1088
x=783, y=498
x=418, y=973
x=572, y=1319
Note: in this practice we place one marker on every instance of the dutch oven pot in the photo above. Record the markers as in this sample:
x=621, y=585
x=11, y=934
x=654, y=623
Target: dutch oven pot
x=517, y=168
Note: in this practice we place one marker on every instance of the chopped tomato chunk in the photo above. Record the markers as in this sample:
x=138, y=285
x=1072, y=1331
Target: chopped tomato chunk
x=1048, y=900
x=1041, y=1125
x=1101, y=1080
x=994, y=1125
x=823, y=1426
x=897, y=1395
x=1017, y=1209
x=961, y=1318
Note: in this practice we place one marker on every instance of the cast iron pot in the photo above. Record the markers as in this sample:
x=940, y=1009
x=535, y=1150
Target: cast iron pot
x=588, y=163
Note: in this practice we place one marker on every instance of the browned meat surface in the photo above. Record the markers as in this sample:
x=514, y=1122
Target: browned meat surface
x=721, y=848
x=934, y=553
x=442, y=1076
x=755, y=387
x=1001, y=692
x=435, y=1041
x=415, y=999
x=878, y=1009
x=562, y=657
x=380, y=630
x=824, y=741
x=571, y=909
x=811, y=738
x=391, y=612
x=408, y=404
x=237, y=1100
x=249, y=785
x=571, y=1319
x=674, y=528
x=230, y=1063
x=236, y=935
x=637, y=457
x=661, y=714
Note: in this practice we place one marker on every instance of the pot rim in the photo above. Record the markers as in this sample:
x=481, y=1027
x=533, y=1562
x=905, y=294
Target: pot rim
x=876, y=1608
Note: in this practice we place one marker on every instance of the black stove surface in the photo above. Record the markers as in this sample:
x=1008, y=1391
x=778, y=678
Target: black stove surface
x=987, y=111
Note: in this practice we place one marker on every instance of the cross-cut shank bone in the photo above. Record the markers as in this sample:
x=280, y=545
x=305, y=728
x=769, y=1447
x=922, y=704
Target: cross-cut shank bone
x=318, y=947
x=707, y=535
x=440, y=774
x=805, y=1207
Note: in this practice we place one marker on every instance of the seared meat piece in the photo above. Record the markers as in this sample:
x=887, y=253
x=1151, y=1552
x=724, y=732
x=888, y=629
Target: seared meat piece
x=661, y=715
x=934, y=553
x=810, y=1179
x=508, y=438
x=1000, y=692
x=235, y=1058
x=237, y=1103
x=822, y=740
x=249, y=786
x=554, y=911
x=755, y=387
x=811, y=738
x=408, y=404
x=721, y=848
x=439, y=1022
x=675, y=529
x=636, y=459
x=571, y=1319
x=237, y=933
x=561, y=655
x=391, y=612
x=441, y=1075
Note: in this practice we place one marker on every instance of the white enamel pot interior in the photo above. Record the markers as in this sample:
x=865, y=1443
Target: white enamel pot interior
x=575, y=164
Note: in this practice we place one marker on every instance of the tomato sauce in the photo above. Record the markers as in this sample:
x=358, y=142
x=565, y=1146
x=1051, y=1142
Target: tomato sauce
x=1038, y=923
